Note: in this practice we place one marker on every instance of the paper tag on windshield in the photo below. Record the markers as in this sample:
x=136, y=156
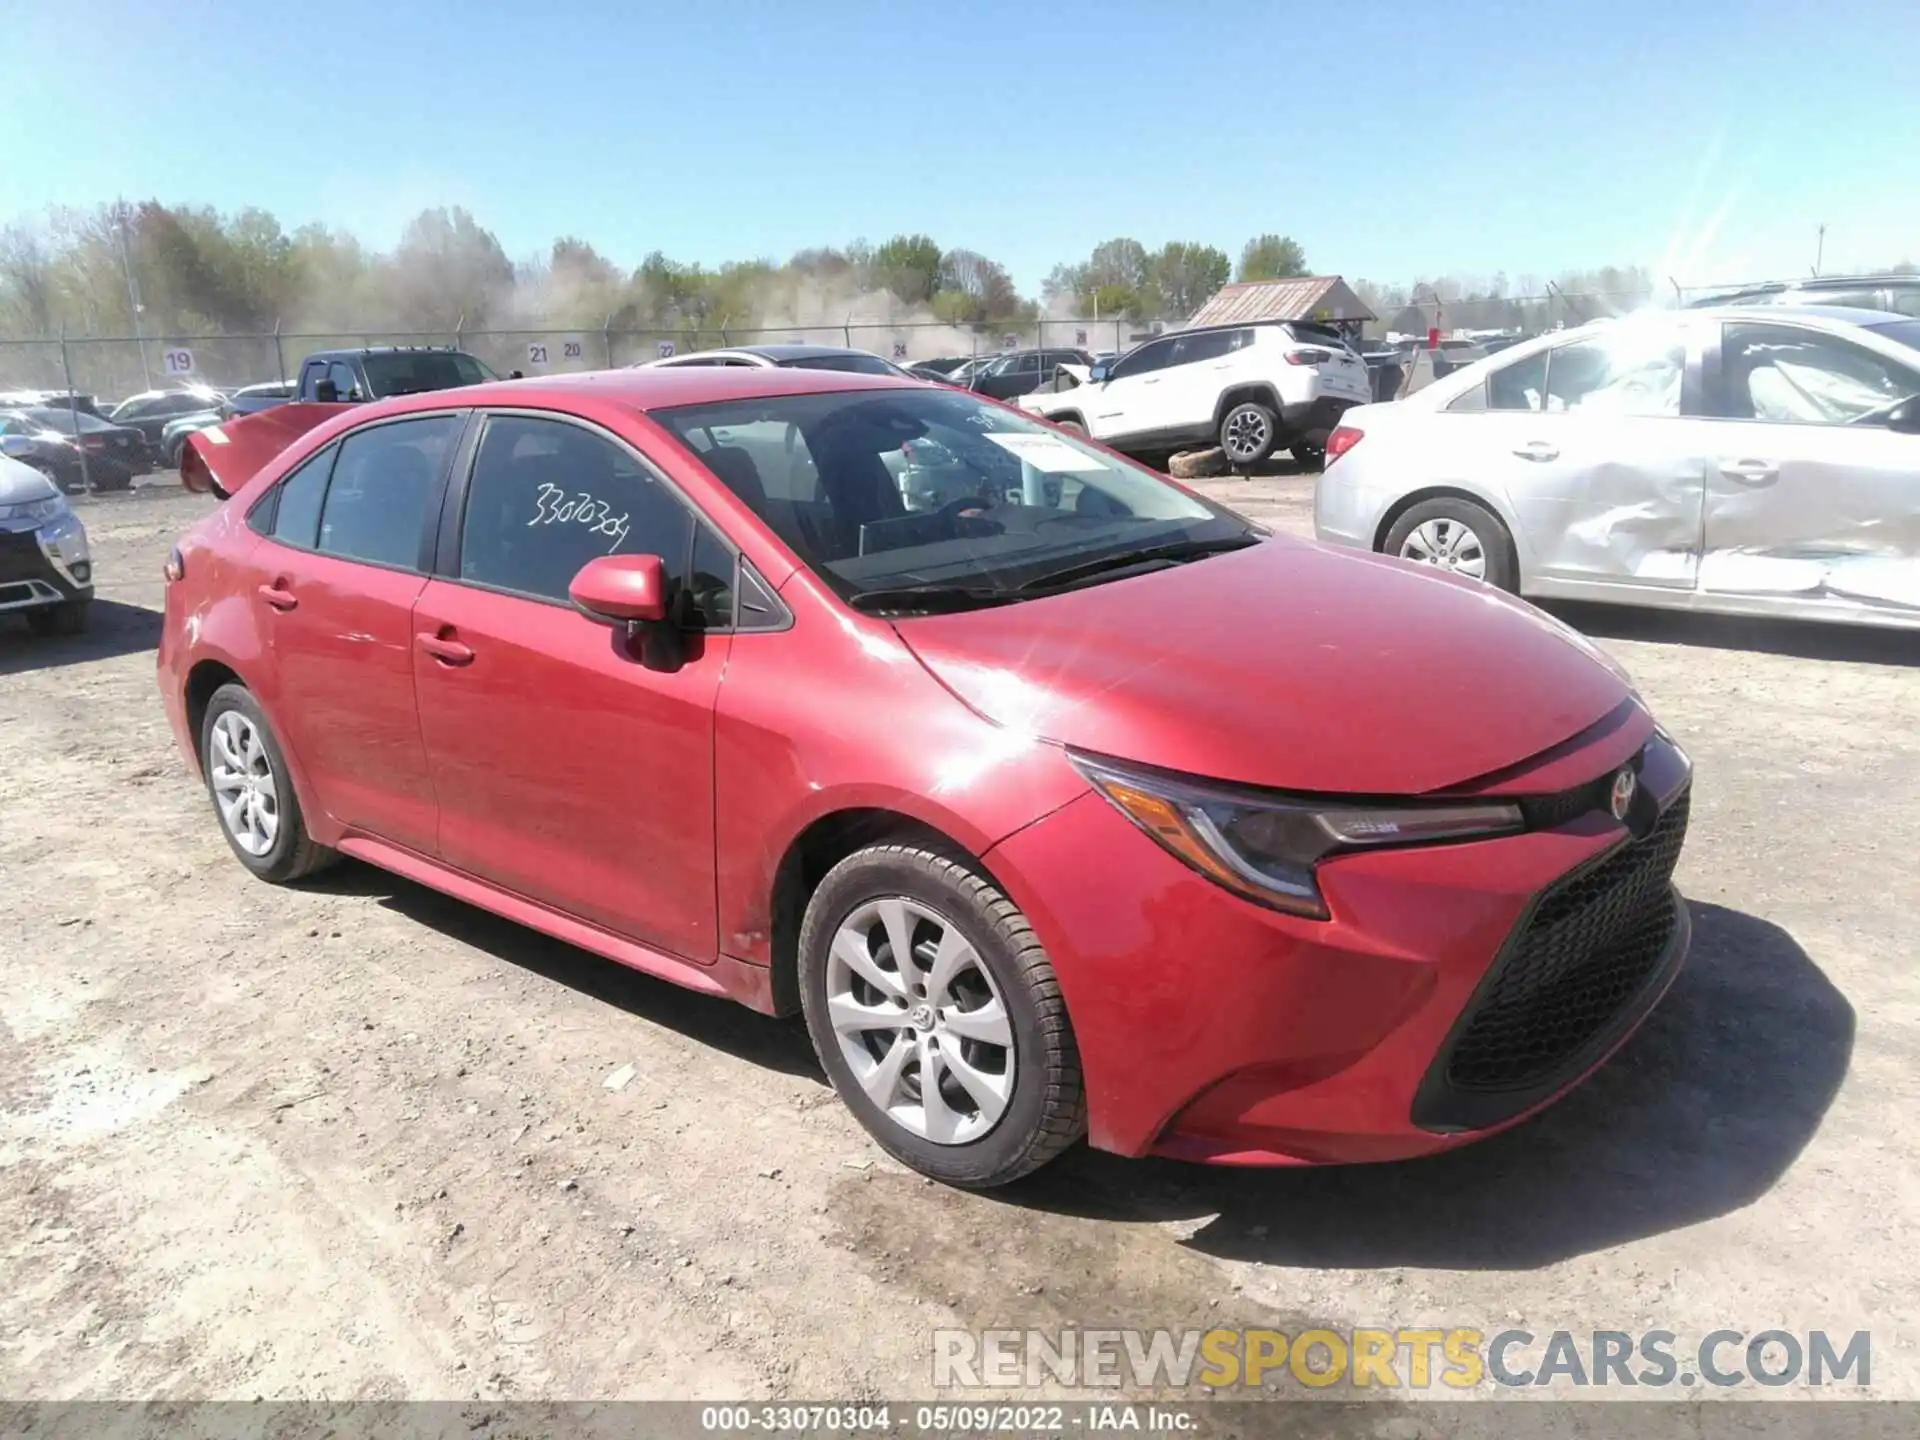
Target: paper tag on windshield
x=1045, y=452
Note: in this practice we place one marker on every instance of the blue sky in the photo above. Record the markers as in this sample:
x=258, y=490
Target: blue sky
x=1706, y=140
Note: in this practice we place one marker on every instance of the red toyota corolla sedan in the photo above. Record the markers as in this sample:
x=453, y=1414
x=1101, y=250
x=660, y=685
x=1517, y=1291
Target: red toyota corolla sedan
x=1060, y=800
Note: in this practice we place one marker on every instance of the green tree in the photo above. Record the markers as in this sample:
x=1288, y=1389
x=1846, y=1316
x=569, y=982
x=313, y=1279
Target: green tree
x=909, y=266
x=1181, y=277
x=1272, y=257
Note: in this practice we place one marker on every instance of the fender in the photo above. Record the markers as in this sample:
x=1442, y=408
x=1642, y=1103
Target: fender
x=222, y=458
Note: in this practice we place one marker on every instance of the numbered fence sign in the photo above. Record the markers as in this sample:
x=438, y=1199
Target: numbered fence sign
x=899, y=349
x=573, y=349
x=178, y=362
x=537, y=352
x=1080, y=338
x=666, y=349
x=1009, y=341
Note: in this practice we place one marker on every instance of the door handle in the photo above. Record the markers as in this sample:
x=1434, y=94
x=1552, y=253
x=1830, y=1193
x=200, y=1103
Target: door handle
x=1538, y=450
x=447, y=652
x=1750, y=472
x=278, y=598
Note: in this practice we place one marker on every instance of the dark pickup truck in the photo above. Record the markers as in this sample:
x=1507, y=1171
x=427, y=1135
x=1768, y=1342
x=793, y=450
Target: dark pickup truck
x=332, y=377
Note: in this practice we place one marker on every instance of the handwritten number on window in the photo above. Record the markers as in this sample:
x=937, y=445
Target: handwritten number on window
x=553, y=506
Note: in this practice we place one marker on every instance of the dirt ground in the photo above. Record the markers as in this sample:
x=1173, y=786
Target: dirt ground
x=355, y=1140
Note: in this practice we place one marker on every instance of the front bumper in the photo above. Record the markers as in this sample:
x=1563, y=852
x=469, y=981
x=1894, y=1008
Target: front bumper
x=45, y=565
x=1213, y=1029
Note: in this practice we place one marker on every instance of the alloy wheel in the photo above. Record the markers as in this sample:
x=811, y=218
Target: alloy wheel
x=245, y=789
x=1247, y=433
x=919, y=1021
x=1448, y=544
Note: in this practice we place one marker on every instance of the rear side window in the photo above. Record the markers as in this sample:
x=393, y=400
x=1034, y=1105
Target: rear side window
x=1521, y=385
x=292, y=512
x=546, y=497
x=383, y=482
x=1208, y=345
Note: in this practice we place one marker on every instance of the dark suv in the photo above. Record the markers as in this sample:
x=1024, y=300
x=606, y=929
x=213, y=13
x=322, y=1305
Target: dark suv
x=1021, y=372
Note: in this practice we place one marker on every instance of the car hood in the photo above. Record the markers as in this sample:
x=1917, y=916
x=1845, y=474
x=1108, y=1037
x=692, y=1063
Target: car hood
x=20, y=483
x=1288, y=665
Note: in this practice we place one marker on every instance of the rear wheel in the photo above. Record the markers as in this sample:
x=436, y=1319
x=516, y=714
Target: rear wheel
x=1457, y=535
x=1248, y=434
x=69, y=617
x=937, y=1016
x=252, y=790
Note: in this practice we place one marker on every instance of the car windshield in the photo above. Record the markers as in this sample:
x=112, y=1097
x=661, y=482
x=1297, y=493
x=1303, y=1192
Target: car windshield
x=852, y=363
x=888, y=490
x=409, y=372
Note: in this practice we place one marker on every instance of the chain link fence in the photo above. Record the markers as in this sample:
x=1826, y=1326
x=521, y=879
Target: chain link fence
x=112, y=368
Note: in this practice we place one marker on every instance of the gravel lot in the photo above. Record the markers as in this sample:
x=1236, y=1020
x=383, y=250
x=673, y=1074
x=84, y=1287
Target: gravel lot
x=355, y=1140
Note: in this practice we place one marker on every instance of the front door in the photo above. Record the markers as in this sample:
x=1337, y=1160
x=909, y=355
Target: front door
x=1131, y=402
x=567, y=770
x=334, y=587
x=1811, y=496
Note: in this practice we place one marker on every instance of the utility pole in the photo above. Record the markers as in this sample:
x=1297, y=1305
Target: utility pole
x=1820, y=248
x=133, y=293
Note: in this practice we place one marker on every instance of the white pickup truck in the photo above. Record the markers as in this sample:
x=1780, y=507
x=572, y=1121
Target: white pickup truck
x=1251, y=389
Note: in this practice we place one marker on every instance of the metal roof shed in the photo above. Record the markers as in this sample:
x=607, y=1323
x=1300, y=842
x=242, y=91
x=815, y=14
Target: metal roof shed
x=1325, y=299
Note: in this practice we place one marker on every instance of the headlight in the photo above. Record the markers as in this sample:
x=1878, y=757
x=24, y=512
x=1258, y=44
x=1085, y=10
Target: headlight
x=34, y=509
x=1266, y=847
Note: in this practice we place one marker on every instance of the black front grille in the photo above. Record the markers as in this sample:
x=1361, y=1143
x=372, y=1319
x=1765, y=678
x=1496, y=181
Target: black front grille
x=1590, y=946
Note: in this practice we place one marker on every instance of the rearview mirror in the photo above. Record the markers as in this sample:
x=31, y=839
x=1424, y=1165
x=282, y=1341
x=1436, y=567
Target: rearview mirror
x=1904, y=418
x=325, y=392
x=622, y=589
x=1098, y=373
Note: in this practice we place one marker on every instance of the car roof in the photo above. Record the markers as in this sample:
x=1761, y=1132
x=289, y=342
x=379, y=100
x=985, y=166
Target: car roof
x=1774, y=314
x=649, y=388
x=346, y=351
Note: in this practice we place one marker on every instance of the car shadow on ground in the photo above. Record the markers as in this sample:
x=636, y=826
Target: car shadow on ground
x=113, y=628
x=1699, y=1115
x=1803, y=639
x=708, y=1020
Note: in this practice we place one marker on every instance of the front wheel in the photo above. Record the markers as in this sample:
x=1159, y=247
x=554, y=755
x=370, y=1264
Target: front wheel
x=937, y=1016
x=1457, y=535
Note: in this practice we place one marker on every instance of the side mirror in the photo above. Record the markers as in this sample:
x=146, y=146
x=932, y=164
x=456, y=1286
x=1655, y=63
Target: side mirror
x=325, y=392
x=622, y=589
x=1099, y=373
x=1904, y=418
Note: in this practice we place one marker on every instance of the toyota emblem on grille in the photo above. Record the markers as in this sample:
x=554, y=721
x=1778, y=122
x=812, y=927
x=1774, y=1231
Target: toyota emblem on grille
x=1622, y=798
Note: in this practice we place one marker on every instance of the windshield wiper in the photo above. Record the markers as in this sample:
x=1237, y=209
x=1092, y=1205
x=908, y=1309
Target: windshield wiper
x=932, y=599
x=1153, y=555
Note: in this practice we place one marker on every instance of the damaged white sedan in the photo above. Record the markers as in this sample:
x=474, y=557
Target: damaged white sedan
x=1745, y=459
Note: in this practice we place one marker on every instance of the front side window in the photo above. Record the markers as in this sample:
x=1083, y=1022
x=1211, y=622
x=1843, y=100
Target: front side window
x=547, y=496
x=937, y=489
x=1789, y=375
x=382, y=485
x=345, y=386
x=1147, y=358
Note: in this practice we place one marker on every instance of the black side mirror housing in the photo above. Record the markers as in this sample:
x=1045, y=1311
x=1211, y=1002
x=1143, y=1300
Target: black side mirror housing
x=1904, y=418
x=325, y=392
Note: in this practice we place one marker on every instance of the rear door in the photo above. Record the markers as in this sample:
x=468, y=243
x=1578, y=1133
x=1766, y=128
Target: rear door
x=1811, y=497
x=1598, y=446
x=349, y=537
x=568, y=770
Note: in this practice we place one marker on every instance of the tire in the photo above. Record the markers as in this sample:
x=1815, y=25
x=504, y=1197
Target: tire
x=1310, y=458
x=1432, y=531
x=935, y=898
x=1248, y=434
x=289, y=853
x=69, y=617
